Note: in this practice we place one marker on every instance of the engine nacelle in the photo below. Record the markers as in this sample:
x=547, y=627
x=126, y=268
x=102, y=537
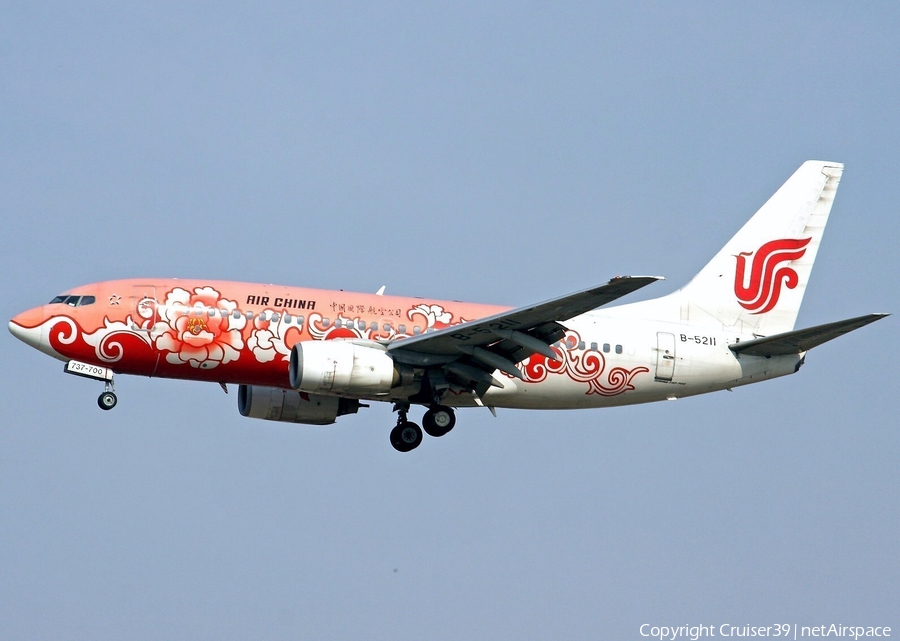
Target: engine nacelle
x=290, y=406
x=342, y=367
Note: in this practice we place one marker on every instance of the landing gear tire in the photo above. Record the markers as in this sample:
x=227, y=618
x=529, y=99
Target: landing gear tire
x=438, y=420
x=107, y=400
x=406, y=436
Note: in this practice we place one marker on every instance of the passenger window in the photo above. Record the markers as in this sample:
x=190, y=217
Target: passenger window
x=362, y=325
x=606, y=347
x=237, y=314
x=211, y=312
x=618, y=349
x=274, y=318
x=339, y=323
x=249, y=315
x=593, y=347
x=386, y=327
x=581, y=345
x=417, y=330
x=326, y=322
x=287, y=318
x=262, y=316
x=300, y=320
x=401, y=329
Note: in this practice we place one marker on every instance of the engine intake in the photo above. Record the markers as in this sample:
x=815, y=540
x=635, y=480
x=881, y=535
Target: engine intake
x=291, y=406
x=343, y=368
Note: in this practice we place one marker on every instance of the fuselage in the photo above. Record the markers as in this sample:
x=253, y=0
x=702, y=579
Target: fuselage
x=310, y=355
x=243, y=333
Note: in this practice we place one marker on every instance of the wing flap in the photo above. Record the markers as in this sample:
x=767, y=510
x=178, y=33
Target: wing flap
x=802, y=340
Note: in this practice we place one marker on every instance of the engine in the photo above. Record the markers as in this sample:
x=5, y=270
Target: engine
x=342, y=367
x=290, y=406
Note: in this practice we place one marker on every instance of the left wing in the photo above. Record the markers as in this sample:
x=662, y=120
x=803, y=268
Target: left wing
x=471, y=351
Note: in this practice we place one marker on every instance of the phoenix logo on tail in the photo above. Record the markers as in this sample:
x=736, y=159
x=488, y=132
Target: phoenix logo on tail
x=767, y=274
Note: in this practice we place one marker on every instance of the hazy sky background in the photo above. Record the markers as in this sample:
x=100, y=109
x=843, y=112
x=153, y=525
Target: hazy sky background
x=501, y=153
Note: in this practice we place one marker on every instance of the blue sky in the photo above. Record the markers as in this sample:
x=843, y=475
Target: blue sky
x=500, y=153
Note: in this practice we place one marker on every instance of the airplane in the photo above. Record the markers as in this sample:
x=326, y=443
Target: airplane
x=309, y=356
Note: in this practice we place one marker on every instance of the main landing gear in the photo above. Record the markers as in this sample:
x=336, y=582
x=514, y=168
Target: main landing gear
x=438, y=420
x=407, y=436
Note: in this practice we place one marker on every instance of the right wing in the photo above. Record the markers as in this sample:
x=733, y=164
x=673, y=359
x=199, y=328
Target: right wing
x=471, y=351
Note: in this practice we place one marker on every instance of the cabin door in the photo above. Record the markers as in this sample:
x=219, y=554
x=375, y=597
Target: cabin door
x=665, y=356
x=144, y=317
x=146, y=314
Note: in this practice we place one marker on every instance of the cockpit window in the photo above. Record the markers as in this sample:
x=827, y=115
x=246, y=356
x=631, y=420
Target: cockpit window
x=74, y=301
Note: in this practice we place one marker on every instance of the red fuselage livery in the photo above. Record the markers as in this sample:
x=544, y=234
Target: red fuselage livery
x=218, y=331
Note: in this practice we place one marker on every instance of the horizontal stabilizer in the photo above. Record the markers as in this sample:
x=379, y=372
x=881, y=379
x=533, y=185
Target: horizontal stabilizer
x=802, y=340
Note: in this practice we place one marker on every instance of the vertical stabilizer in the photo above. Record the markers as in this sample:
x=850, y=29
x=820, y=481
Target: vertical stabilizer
x=755, y=284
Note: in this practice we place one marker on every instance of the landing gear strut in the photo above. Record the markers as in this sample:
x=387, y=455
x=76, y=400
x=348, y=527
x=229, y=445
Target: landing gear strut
x=407, y=436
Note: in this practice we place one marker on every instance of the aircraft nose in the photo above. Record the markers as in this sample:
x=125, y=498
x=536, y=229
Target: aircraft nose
x=27, y=326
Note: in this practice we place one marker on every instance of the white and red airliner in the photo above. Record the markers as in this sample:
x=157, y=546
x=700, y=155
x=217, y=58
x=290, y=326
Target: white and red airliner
x=308, y=355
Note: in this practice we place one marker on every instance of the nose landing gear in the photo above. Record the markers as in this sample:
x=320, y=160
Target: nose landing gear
x=107, y=400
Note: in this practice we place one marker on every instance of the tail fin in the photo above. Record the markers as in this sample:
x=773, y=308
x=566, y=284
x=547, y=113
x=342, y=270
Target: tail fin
x=755, y=284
